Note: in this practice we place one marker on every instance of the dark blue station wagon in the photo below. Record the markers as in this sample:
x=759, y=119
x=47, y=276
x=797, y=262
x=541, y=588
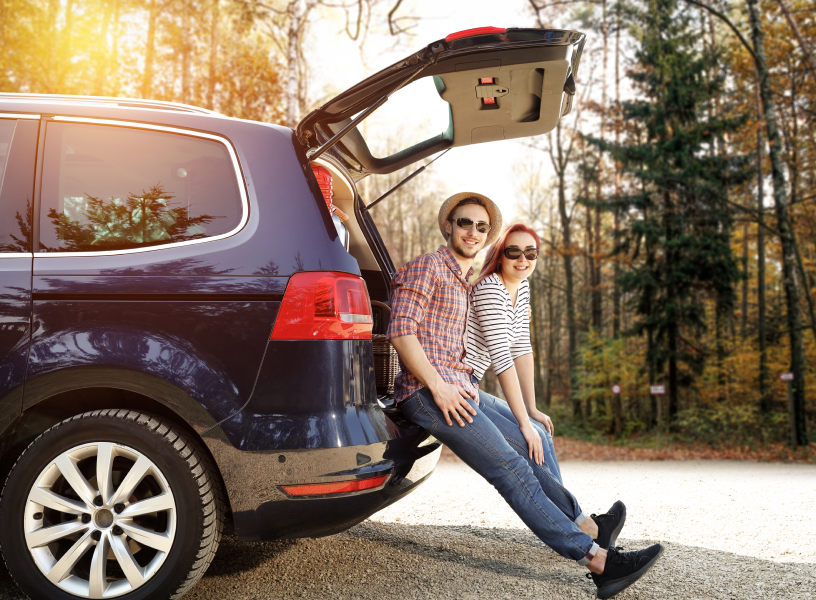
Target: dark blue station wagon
x=192, y=310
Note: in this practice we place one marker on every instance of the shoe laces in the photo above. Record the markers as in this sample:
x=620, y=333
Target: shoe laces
x=615, y=555
x=601, y=517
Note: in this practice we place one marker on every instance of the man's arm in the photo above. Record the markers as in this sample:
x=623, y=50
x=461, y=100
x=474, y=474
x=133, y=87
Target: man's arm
x=450, y=399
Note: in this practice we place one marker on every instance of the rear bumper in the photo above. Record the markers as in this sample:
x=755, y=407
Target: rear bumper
x=317, y=517
x=263, y=511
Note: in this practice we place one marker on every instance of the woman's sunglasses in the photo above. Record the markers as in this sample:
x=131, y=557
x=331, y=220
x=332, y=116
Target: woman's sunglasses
x=465, y=223
x=514, y=252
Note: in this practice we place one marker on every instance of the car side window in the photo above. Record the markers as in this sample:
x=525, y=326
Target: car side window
x=18, y=153
x=116, y=188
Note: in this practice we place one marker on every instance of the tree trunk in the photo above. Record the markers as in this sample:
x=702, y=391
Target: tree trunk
x=597, y=298
x=744, y=323
x=186, y=50
x=572, y=330
x=551, y=344
x=791, y=279
x=720, y=314
x=114, y=61
x=803, y=45
x=65, y=43
x=765, y=402
x=589, y=281
x=654, y=412
x=101, y=52
x=616, y=294
x=52, y=49
x=536, y=329
x=216, y=17
x=295, y=10
x=672, y=329
x=673, y=334
x=150, y=50
x=794, y=172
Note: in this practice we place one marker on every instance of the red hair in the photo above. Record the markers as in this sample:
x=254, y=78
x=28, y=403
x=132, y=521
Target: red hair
x=492, y=263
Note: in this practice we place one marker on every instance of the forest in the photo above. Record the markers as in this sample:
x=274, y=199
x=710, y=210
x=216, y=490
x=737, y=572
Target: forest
x=676, y=204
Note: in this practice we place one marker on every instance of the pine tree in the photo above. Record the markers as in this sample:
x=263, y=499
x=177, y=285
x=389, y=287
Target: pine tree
x=676, y=216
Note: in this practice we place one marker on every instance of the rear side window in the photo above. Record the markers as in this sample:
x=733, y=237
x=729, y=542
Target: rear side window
x=18, y=153
x=114, y=188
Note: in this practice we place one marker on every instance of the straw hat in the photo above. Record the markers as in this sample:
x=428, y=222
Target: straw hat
x=492, y=210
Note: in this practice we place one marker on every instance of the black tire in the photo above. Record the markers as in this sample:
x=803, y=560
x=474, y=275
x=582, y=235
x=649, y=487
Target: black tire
x=193, y=479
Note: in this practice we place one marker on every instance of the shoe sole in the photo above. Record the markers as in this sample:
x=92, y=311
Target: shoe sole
x=615, y=532
x=615, y=587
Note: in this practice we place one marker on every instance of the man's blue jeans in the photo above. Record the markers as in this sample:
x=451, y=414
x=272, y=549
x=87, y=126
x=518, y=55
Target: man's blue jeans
x=493, y=447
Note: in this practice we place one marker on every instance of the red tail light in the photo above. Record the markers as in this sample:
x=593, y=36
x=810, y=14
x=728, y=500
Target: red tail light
x=472, y=32
x=335, y=487
x=324, y=306
x=324, y=180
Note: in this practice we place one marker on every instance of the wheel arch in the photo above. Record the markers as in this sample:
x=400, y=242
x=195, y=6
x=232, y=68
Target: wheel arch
x=57, y=396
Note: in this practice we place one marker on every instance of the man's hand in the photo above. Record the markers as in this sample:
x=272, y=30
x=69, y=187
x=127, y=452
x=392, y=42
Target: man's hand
x=534, y=445
x=539, y=416
x=452, y=401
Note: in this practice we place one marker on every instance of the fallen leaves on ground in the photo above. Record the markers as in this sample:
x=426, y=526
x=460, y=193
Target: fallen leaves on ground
x=573, y=449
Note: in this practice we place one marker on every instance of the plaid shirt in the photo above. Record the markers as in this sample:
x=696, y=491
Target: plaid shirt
x=430, y=300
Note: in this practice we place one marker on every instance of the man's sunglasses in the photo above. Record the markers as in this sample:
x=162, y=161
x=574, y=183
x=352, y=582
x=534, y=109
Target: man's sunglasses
x=465, y=223
x=514, y=252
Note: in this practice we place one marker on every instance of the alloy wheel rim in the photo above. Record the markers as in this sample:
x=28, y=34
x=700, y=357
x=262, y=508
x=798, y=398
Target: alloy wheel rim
x=100, y=520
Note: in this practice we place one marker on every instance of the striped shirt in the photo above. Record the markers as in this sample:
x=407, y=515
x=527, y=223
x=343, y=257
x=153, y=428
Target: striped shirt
x=498, y=332
x=429, y=299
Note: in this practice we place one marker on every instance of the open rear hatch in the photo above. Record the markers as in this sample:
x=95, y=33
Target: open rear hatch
x=499, y=84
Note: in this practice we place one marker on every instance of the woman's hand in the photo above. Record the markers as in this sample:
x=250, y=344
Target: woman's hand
x=533, y=442
x=539, y=416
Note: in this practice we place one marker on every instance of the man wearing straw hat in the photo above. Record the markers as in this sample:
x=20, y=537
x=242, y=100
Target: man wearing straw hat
x=428, y=328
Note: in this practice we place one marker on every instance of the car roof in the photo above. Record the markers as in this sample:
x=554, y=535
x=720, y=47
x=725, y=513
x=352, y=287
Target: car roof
x=45, y=100
x=129, y=110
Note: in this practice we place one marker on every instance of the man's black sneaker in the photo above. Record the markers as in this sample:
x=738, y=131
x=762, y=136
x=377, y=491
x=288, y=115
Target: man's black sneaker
x=623, y=569
x=610, y=525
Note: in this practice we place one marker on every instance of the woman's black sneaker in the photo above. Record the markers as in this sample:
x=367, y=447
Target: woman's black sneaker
x=623, y=569
x=610, y=525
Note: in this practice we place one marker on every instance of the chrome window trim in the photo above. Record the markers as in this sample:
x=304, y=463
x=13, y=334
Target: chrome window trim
x=132, y=125
x=16, y=116
x=16, y=255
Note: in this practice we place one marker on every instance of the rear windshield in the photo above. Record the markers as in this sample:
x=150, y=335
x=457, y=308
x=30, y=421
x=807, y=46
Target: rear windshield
x=115, y=188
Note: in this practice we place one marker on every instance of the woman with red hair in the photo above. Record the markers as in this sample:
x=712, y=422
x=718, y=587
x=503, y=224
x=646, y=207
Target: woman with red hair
x=499, y=335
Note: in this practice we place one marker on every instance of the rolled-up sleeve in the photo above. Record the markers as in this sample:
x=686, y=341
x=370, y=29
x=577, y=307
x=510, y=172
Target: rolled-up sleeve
x=489, y=308
x=413, y=287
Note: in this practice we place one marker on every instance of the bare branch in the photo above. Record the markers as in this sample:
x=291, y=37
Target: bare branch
x=271, y=9
x=811, y=62
x=728, y=22
x=391, y=17
x=393, y=23
x=537, y=10
x=538, y=7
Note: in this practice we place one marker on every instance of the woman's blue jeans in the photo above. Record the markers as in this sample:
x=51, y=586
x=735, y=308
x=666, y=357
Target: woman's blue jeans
x=501, y=407
x=493, y=447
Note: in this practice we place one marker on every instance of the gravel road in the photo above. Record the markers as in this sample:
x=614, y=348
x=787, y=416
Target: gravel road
x=732, y=530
